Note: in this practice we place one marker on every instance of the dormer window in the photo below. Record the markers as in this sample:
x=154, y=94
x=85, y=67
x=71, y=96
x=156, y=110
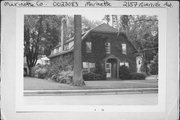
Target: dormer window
x=123, y=48
x=108, y=47
x=88, y=47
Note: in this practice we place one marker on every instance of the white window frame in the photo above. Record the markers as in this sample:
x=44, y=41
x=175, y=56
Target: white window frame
x=108, y=47
x=124, y=48
x=88, y=47
x=124, y=63
x=108, y=74
x=88, y=66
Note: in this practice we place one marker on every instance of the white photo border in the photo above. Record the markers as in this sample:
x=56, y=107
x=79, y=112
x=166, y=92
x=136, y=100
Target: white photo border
x=162, y=26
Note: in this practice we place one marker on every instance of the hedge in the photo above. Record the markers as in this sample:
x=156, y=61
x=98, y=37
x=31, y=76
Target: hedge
x=124, y=73
x=138, y=76
x=93, y=76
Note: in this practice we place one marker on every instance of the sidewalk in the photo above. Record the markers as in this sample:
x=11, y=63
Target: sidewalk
x=124, y=99
x=34, y=86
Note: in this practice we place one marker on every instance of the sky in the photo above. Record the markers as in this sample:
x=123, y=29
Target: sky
x=94, y=17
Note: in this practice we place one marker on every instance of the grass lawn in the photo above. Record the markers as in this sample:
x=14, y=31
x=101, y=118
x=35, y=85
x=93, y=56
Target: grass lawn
x=43, y=84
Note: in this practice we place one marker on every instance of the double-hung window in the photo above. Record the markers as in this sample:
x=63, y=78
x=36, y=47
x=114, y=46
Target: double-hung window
x=123, y=48
x=108, y=47
x=88, y=47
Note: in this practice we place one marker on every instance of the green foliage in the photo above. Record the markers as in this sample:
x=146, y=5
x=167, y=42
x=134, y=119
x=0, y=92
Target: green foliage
x=154, y=66
x=40, y=71
x=53, y=70
x=39, y=38
x=88, y=24
x=138, y=76
x=93, y=76
x=107, y=18
x=124, y=21
x=124, y=72
x=45, y=28
x=63, y=77
x=57, y=74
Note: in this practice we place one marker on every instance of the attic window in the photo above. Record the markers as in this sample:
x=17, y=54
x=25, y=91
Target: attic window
x=108, y=47
x=123, y=48
x=88, y=47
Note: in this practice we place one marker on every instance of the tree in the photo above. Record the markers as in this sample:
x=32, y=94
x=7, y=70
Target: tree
x=31, y=44
x=77, y=77
x=107, y=18
x=51, y=39
x=154, y=65
x=88, y=24
x=40, y=36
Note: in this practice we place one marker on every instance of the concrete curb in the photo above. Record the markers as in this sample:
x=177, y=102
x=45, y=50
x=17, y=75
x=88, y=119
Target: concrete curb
x=90, y=91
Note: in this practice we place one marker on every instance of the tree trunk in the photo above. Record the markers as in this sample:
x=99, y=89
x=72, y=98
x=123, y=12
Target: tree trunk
x=77, y=77
x=30, y=71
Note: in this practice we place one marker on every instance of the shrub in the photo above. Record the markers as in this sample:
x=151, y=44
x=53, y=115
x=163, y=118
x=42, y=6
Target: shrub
x=138, y=76
x=53, y=70
x=93, y=76
x=65, y=77
x=40, y=71
x=154, y=65
x=62, y=76
x=34, y=71
x=124, y=73
x=154, y=68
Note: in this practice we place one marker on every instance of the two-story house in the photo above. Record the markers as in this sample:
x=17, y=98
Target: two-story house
x=104, y=50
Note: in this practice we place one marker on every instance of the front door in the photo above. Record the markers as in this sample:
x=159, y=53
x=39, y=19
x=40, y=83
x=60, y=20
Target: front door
x=108, y=70
x=111, y=68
